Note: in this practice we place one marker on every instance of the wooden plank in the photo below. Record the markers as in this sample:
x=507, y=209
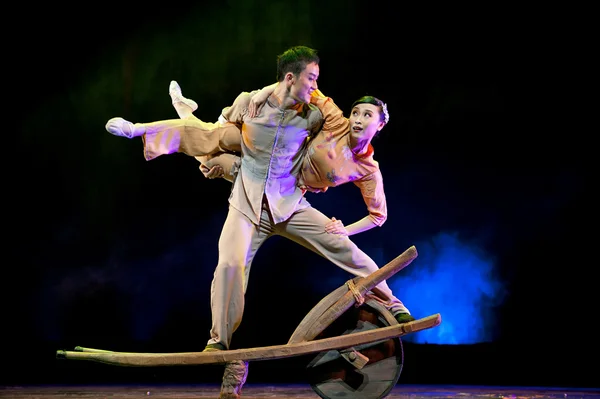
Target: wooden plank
x=316, y=312
x=261, y=353
x=309, y=329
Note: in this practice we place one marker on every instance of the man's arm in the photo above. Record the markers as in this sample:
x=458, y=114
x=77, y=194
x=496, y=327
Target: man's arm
x=223, y=165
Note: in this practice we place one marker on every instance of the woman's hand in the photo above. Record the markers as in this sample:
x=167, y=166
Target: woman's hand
x=256, y=103
x=306, y=188
x=259, y=99
x=336, y=227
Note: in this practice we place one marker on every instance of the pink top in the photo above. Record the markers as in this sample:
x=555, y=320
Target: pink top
x=330, y=161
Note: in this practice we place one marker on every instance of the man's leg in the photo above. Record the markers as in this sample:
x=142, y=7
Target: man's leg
x=307, y=228
x=238, y=243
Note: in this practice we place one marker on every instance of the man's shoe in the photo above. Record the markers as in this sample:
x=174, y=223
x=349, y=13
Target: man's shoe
x=176, y=96
x=214, y=347
x=403, y=317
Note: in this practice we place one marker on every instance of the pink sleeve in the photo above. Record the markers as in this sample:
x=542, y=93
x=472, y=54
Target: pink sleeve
x=334, y=117
x=371, y=187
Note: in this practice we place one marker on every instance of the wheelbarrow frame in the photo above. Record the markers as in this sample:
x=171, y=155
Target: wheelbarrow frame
x=301, y=342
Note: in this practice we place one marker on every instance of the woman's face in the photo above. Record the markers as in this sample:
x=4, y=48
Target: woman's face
x=365, y=120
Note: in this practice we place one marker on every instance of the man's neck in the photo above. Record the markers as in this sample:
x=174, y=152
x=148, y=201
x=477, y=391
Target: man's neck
x=282, y=98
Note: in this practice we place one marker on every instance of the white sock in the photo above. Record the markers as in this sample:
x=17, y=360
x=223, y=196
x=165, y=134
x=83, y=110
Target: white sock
x=184, y=106
x=123, y=128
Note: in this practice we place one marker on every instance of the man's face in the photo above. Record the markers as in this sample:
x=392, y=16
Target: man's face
x=303, y=85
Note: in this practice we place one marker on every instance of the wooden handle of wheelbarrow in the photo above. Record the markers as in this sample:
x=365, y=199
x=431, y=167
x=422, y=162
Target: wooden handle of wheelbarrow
x=309, y=329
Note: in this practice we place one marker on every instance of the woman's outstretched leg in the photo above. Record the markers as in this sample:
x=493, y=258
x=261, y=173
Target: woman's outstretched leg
x=190, y=136
x=183, y=106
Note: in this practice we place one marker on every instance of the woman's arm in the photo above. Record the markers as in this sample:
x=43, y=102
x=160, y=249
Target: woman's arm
x=259, y=99
x=337, y=227
x=371, y=188
x=334, y=121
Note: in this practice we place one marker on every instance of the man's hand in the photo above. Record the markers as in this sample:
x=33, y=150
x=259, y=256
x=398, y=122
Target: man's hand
x=213, y=173
x=336, y=227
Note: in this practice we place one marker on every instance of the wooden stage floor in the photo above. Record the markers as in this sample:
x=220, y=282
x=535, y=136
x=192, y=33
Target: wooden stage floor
x=263, y=391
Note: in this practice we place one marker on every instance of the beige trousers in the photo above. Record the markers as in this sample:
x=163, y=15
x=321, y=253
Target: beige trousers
x=210, y=143
x=190, y=136
x=238, y=243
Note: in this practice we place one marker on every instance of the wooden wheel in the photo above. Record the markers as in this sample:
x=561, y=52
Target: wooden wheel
x=347, y=373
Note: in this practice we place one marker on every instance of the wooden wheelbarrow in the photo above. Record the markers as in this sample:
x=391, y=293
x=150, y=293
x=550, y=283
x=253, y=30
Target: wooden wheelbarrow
x=358, y=351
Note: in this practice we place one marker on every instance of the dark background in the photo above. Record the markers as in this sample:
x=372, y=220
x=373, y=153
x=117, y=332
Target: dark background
x=486, y=162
